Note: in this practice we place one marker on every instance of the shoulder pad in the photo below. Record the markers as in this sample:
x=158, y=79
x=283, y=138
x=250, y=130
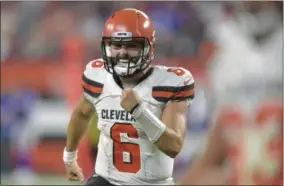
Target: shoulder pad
x=93, y=78
x=176, y=84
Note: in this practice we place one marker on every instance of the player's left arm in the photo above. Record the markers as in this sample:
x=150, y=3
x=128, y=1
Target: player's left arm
x=169, y=131
x=174, y=117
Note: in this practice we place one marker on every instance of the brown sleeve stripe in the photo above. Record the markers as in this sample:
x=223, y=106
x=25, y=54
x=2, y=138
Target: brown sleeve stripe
x=91, y=87
x=170, y=92
x=165, y=100
x=165, y=94
x=91, y=82
x=173, y=89
x=91, y=93
x=183, y=98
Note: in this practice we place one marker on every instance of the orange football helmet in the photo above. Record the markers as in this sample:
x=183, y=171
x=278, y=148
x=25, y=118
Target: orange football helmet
x=124, y=26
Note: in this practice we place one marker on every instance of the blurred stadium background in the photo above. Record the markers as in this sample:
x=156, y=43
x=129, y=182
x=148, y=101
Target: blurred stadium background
x=44, y=47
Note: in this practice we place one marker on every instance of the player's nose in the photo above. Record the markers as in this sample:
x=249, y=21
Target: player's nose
x=123, y=51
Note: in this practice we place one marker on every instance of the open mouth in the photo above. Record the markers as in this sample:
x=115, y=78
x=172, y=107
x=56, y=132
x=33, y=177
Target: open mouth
x=123, y=60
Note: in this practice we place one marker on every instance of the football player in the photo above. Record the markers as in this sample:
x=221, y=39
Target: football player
x=245, y=146
x=142, y=109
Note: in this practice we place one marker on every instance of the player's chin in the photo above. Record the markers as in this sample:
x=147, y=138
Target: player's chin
x=126, y=75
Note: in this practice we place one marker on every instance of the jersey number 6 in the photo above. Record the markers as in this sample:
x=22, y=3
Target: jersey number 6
x=126, y=156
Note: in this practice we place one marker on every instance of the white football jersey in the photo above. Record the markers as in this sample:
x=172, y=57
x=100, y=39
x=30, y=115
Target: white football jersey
x=125, y=154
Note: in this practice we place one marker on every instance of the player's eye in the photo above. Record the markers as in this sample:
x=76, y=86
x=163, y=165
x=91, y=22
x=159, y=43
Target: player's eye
x=116, y=45
x=134, y=45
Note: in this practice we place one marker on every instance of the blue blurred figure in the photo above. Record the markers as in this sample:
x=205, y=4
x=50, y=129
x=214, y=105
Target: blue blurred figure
x=16, y=107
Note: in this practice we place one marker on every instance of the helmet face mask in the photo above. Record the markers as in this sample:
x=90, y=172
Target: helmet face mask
x=136, y=60
x=128, y=42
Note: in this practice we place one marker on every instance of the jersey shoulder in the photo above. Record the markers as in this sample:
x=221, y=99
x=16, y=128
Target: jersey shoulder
x=173, y=84
x=174, y=76
x=93, y=78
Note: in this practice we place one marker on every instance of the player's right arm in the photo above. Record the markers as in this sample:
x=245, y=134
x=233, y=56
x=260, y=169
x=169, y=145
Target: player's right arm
x=77, y=127
x=81, y=116
x=207, y=169
x=78, y=123
x=83, y=112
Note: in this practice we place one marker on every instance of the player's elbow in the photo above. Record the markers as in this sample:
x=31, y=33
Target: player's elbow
x=173, y=153
x=175, y=148
x=82, y=113
x=170, y=143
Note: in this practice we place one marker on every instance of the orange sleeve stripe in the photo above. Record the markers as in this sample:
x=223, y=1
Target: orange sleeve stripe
x=185, y=93
x=93, y=89
x=164, y=94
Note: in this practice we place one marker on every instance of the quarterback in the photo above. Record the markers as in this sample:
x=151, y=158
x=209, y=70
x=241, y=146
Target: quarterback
x=141, y=108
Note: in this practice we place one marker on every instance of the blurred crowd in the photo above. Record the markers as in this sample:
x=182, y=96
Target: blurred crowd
x=36, y=29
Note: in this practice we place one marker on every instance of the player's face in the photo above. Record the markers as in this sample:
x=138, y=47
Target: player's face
x=126, y=56
x=125, y=50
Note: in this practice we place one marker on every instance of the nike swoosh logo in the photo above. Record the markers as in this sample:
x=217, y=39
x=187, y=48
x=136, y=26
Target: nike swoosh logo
x=186, y=81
